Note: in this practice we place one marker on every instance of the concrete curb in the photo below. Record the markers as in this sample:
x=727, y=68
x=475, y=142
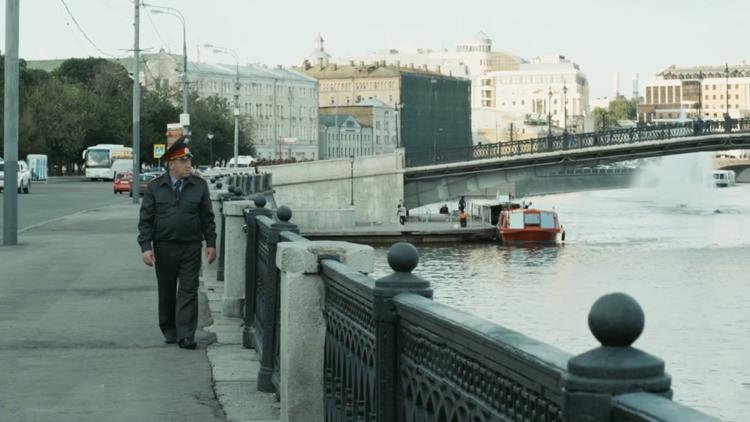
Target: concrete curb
x=234, y=369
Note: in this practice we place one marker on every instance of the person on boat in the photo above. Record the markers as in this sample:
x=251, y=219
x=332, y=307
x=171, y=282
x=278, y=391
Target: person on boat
x=462, y=204
x=462, y=218
x=401, y=213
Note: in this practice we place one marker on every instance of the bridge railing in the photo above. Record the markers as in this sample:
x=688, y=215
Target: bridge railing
x=388, y=352
x=570, y=141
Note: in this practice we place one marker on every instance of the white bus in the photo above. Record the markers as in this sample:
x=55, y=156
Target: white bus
x=99, y=159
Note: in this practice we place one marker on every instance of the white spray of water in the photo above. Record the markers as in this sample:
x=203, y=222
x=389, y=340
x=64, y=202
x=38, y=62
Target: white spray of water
x=679, y=181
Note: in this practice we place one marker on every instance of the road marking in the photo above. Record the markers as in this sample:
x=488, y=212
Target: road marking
x=33, y=226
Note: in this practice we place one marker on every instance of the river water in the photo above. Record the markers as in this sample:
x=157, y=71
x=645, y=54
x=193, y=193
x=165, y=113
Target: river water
x=665, y=245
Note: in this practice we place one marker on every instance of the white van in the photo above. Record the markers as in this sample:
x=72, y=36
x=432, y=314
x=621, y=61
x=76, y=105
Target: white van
x=121, y=166
x=242, y=161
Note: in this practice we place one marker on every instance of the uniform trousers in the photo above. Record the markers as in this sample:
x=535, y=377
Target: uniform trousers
x=177, y=269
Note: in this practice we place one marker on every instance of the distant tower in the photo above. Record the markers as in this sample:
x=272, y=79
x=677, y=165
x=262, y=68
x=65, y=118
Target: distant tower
x=318, y=57
x=615, y=86
x=636, y=90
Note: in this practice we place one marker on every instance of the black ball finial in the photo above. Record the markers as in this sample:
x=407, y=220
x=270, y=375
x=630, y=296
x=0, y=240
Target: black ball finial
x=403, y=257
x=284, y=213
x=260, y=201
x=230, y=188
x=616, y=320
x=219, y=185
x=237, y=191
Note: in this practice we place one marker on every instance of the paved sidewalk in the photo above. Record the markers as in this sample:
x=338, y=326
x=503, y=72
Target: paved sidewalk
x=79, y=338
x=235, y=369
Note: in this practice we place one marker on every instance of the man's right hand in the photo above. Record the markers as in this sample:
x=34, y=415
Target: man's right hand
x=148, y=258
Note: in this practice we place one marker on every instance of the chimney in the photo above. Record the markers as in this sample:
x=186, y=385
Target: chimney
x=437, y=69
x=411, y=66
x=424, y=67
x=335, y=66
x=382, y=62
x=398, y=63
x=362, y=63
x=351, y=63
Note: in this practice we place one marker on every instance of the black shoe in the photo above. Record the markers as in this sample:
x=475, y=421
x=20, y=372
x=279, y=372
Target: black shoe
x=170, y=340
x=187, y=343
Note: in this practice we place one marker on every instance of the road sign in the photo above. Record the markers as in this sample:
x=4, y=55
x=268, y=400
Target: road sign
x=159, y=150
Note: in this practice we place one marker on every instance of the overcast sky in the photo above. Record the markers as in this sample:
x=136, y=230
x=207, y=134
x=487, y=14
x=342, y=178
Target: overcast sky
x=602, y=36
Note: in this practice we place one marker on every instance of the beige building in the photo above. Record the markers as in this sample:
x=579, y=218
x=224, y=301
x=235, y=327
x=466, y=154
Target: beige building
x=684, y=93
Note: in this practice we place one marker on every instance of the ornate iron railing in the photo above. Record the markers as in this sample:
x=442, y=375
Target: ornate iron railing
x=350, y=344
x=570, y=141
x=393, y=354
x=454, y=366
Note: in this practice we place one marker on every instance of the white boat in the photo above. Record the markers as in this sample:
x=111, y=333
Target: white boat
x=722, y=178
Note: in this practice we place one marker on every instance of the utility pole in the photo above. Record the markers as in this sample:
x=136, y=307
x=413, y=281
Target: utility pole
x=135, y=181
x=10, y=142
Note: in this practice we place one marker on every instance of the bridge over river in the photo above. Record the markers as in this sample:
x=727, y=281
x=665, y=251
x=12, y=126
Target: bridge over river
x=435, y=175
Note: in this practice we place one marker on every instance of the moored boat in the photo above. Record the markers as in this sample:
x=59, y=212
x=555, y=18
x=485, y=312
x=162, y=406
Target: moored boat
x=521, y=225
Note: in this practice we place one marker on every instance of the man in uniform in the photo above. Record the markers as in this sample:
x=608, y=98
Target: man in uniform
x=175, y=217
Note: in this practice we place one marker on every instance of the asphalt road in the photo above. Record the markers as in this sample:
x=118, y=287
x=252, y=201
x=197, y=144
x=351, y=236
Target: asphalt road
x=79, y=338
x=59, y=197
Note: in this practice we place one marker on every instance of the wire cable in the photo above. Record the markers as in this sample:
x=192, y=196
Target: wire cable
x=83, y=32
x=164, y=45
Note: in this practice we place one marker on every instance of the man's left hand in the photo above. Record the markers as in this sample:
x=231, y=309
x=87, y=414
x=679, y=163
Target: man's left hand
x=211, y=255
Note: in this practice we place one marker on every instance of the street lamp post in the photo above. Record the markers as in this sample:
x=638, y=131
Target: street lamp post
x=398, y=124
x=176, y=13
x=351, y=163
x=565, y=107
x=434, y=81
x=236, y=111
x=211, y=148
x=549, y=112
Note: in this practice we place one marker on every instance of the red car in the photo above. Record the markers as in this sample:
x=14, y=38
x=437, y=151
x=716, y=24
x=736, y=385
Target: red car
x=122, y=182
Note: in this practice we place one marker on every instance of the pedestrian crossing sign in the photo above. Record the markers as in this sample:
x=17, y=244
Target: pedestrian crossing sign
x=159, y=150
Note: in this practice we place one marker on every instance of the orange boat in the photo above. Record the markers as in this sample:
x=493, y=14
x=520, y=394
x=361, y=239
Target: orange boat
x=521, y=225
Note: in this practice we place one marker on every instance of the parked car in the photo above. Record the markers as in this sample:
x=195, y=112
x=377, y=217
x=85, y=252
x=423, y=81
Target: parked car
x=24, y=177
x=122, y=182
x=143, y=180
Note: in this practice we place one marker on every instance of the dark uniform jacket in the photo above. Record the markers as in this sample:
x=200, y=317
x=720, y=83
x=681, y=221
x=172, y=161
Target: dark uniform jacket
x=166, y=216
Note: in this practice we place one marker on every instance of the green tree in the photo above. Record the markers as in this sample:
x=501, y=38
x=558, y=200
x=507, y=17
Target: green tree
x=601, y=115
x=157, y=109
x=213, y=114
x=59, y=115
x=624, y=109
x=112, y=87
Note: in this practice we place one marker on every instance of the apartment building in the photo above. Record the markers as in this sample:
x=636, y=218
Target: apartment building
x=685, y=93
